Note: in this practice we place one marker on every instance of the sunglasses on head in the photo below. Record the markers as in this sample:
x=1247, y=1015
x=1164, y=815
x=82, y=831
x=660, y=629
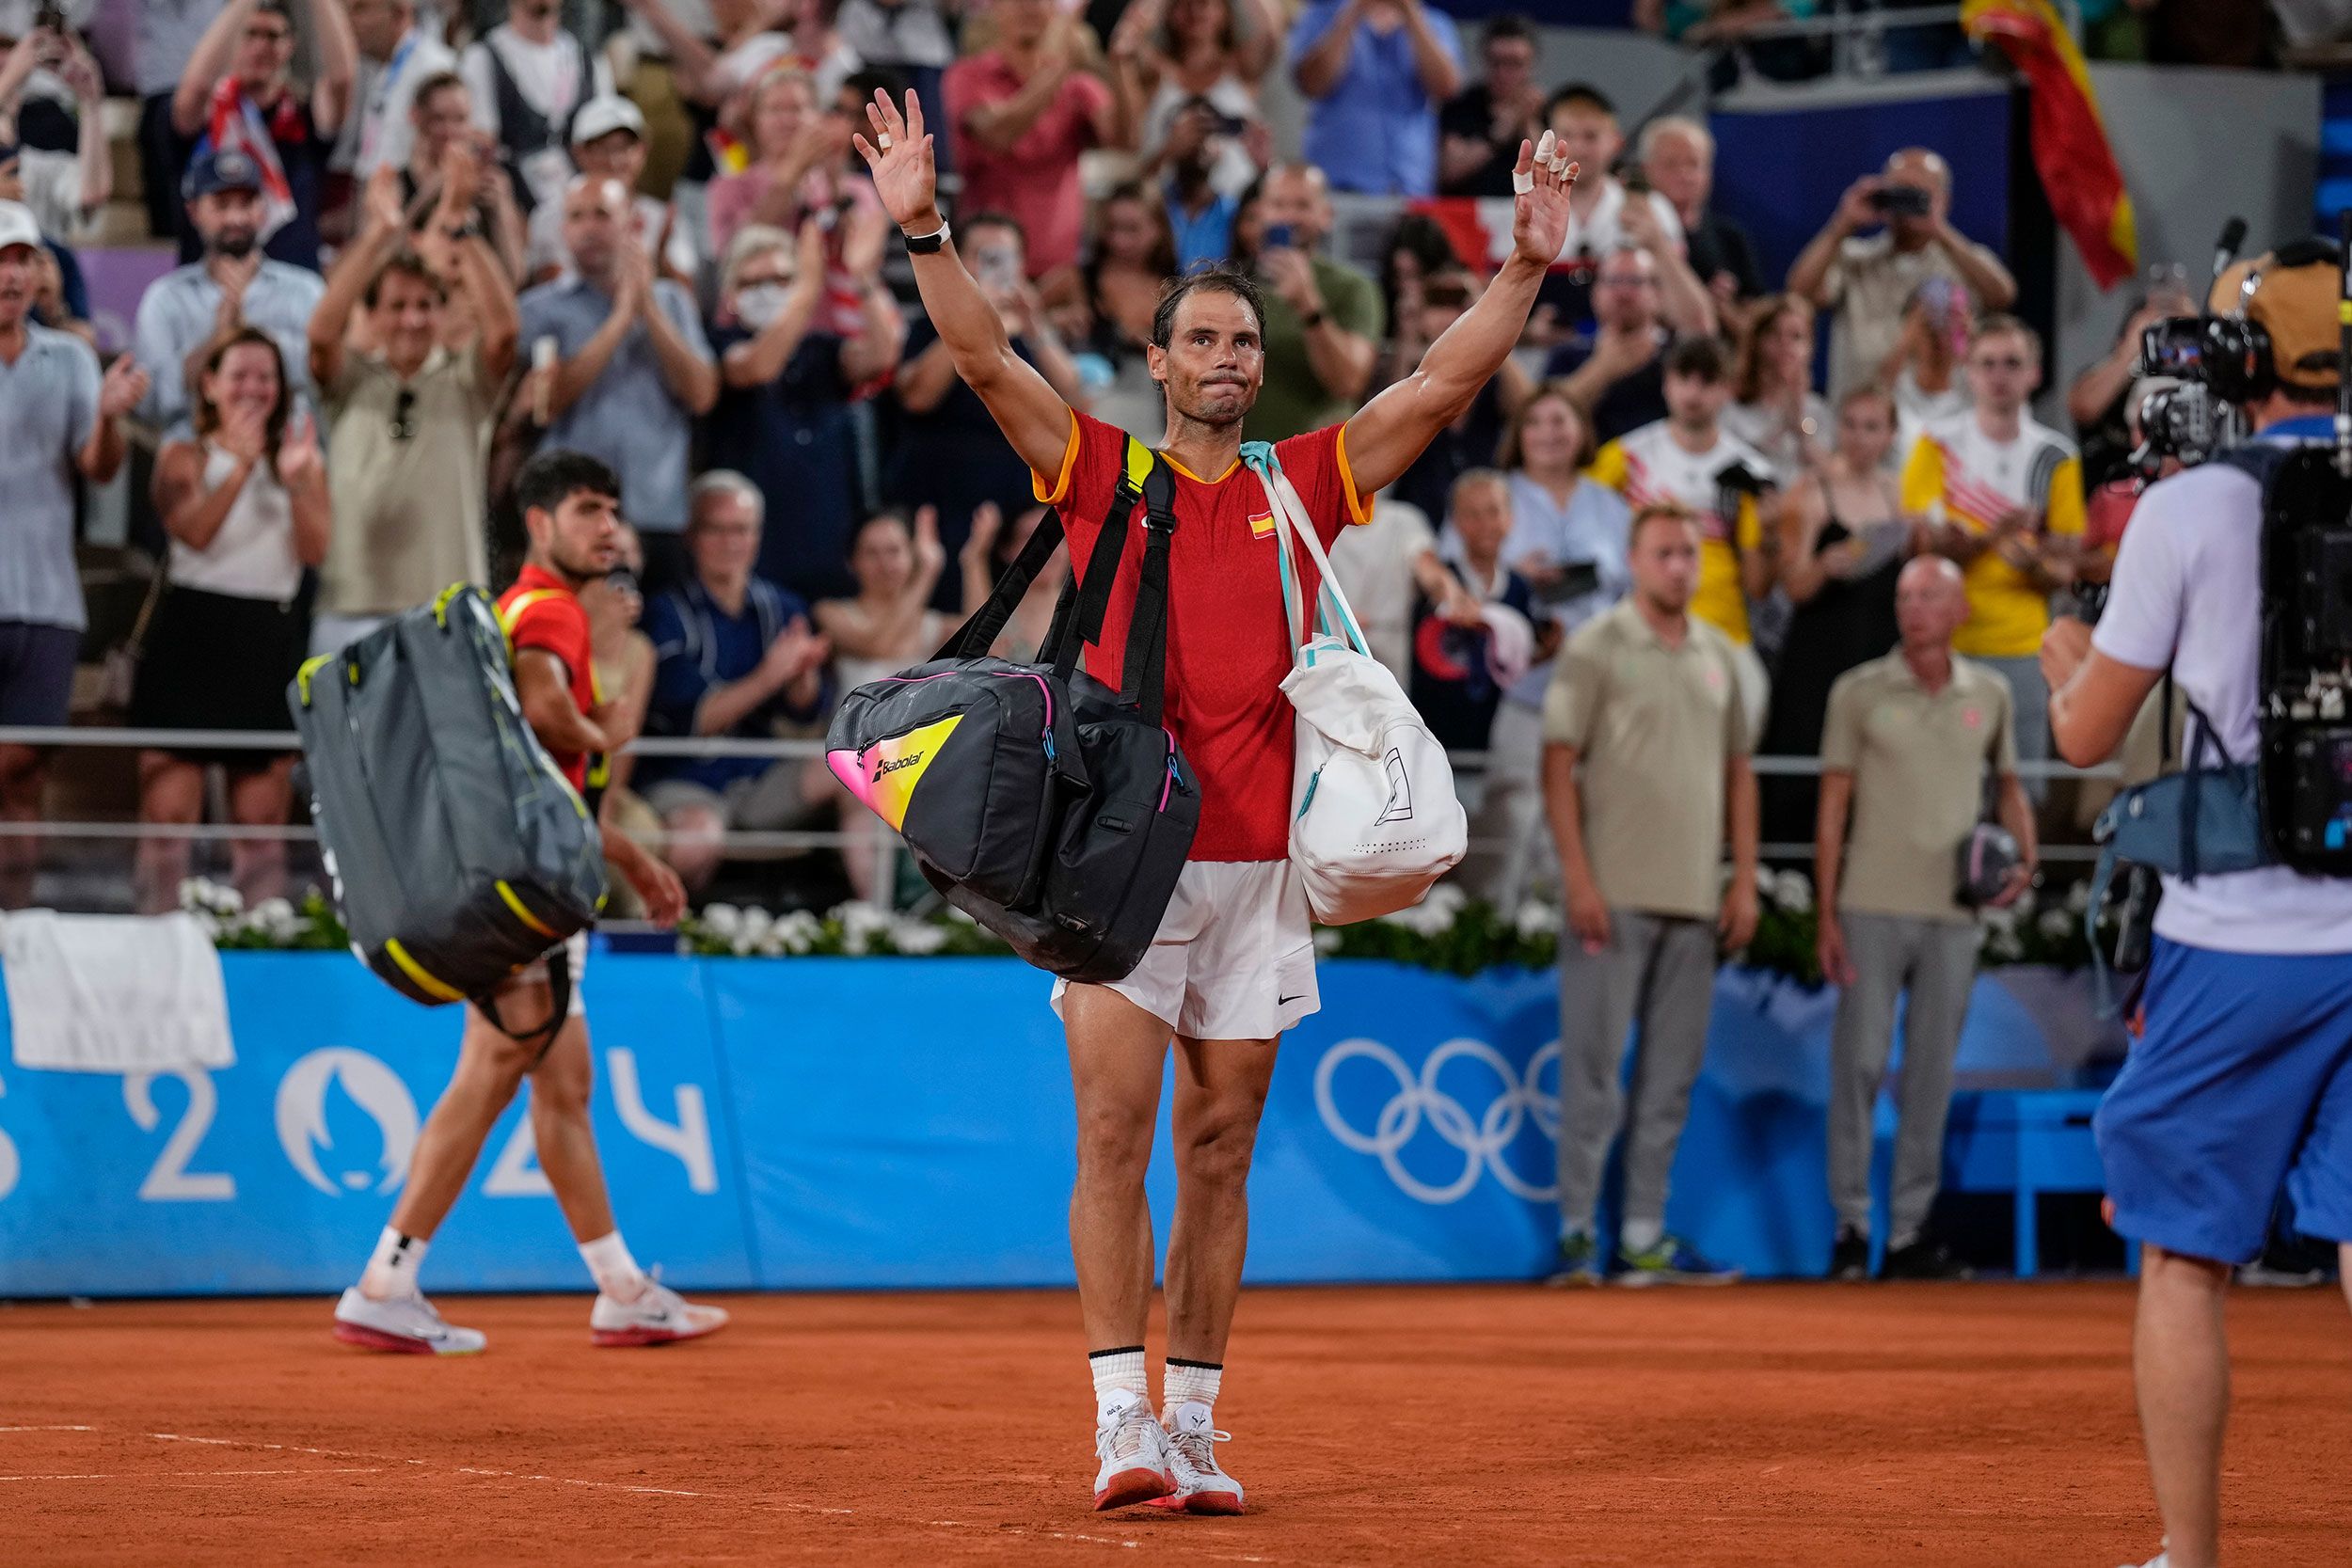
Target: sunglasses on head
x=404, y=415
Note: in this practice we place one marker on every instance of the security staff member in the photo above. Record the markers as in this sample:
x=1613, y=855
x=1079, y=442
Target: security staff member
x=2243, y=1079
x=1907, y=743
x=1646, y=776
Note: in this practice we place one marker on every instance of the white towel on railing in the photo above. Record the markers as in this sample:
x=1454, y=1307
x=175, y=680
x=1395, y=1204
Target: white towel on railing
x=114, y=993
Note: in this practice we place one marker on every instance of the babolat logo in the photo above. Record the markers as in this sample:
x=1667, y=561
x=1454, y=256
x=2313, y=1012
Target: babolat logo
x=911, y=759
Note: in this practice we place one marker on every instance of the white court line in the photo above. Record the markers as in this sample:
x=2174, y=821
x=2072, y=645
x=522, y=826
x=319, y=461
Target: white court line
x=396, y=1458
x=48, y=1429
x=149, y=1477
x=780, y=1503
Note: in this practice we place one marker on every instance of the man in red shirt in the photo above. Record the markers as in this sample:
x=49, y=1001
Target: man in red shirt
x=1233, y=965
x=571, y=507
x=1021, y=113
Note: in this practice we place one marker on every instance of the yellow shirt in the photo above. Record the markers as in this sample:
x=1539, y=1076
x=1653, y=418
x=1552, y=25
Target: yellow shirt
x=1647, y=466
x=1962, y=476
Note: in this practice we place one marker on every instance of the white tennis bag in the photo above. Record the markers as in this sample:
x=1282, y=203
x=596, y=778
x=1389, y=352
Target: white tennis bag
x=1373, y=818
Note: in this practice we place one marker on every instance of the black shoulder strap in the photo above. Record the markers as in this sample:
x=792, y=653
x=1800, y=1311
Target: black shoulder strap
x=1145, y=667
x=979, y=633
x=1078, y=620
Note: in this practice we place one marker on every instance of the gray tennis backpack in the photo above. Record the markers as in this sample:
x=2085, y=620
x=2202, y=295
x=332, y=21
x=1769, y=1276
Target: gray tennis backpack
x=459, y=852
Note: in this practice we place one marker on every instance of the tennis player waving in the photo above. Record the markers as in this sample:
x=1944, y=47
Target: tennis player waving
x=1233, y=963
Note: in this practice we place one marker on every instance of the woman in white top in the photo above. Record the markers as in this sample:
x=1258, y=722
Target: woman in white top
x=1165, y=54
x=245, y=505
x=887, y=628
x=1773, y=408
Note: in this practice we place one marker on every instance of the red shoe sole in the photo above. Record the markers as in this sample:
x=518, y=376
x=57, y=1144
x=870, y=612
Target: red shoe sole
x=1130, y=1487
x=634, y=1339
x=375, y=1338
x=1221, y=1503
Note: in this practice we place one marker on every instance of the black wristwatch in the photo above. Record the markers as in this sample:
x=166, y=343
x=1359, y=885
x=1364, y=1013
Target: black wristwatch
x=931, y=244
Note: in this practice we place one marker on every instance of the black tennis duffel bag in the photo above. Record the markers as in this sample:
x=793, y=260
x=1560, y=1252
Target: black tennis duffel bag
x=459, y=851
x=1054, y=811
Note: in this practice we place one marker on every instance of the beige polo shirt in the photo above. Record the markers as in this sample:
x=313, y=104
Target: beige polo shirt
x=408, y=512
x=1654, y=727
x=1919, y=762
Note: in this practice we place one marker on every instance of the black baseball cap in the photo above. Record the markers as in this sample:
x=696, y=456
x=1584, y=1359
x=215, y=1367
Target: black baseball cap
x=221, y=170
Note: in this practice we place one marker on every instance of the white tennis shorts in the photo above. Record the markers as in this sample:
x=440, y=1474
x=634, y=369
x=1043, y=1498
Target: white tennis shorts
x=535, y=973
x=1234, y=957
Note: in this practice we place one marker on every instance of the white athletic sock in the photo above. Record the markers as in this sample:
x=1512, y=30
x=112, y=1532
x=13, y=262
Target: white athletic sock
x=1190, y=1383
x=1120, y=1378
x=617, y=1274
x=1640, y=1235
x=393, y=1267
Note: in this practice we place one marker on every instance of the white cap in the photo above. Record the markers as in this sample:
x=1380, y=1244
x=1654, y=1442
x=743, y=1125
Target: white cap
x=601, y=117
x=17, y=225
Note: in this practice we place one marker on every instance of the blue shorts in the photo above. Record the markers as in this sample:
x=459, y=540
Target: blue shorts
x=37, y=672
x=2243, y=1081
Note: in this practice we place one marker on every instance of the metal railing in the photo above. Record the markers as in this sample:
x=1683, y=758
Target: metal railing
x=746, y=843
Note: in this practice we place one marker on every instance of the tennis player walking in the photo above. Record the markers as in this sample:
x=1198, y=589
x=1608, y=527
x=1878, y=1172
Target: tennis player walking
x=1233, y=965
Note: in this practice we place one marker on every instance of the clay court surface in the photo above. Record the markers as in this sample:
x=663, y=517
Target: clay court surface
x=1762, y=1425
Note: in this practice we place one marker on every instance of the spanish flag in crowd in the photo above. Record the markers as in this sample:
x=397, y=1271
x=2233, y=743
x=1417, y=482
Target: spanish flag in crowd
x=2069, y=142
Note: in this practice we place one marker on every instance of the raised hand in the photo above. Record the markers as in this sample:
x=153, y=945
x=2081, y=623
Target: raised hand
x=298, y=458
x=863, y=231
x=1854, y=209
x=988, y=520
x=387, y=213
x=928, y=554
x=123, y=389
x=243, y=435
x=900, y=158
x=1539, y=216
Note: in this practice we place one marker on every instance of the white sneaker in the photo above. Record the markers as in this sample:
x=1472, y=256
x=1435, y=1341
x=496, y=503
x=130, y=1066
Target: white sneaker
x=1201, y=1484
x=659, y=1315
x=407, y=1325
x=1132, y=1445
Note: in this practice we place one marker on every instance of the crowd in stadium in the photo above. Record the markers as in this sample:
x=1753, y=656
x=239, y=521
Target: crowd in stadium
x=449, y=240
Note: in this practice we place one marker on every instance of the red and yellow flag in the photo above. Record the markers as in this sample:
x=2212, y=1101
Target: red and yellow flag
x=2069, y=141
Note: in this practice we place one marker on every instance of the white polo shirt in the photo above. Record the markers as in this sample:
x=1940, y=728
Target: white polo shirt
x=2187, y=593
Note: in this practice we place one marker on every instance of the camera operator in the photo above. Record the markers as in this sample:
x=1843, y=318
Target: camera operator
x=2242, y=1077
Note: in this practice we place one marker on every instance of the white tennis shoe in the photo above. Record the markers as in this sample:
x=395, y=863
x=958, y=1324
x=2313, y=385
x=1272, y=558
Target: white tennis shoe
x=1132, y=1445
x=406, y=1324
x=659, y=1315
x=1201, y=1484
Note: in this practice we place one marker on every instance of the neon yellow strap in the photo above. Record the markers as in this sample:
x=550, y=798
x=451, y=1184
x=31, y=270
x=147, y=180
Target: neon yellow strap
x=309, y=668
x=441, y=605
x=523, y=913
x=426, y=982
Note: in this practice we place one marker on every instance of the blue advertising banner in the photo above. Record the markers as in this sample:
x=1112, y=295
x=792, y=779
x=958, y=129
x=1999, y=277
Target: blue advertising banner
x=875, y=1122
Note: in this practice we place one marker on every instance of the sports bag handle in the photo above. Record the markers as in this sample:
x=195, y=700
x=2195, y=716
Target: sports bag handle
x=1333, y=612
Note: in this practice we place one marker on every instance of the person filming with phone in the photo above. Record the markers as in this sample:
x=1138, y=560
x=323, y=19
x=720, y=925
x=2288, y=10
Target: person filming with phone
x=1866, y=280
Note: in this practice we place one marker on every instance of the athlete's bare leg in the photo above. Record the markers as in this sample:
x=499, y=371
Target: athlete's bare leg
x=2181, y=1364
x=2344, y=1269
x=1118, y=1053
x=560, y=1088
x=491, y=1067
x=1221, y=1093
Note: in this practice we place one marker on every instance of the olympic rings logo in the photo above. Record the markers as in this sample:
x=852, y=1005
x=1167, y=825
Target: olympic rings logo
x=1480, y=1141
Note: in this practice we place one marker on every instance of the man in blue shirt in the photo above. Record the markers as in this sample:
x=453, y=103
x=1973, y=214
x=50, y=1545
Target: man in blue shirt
x=1376, y=70
x=633, y=369
x=736, y=656
x=1199, y=217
